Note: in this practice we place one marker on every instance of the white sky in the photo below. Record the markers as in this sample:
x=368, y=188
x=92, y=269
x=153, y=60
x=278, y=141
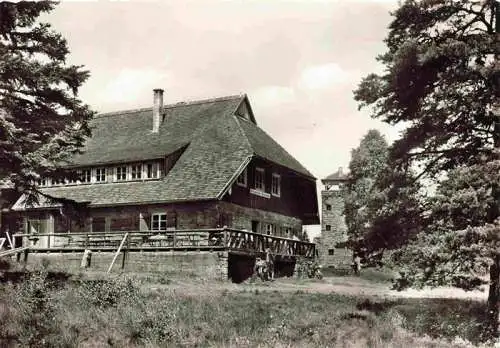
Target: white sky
x=298, y=61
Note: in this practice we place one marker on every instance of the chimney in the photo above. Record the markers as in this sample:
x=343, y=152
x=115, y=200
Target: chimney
x=157, y=108
x=341, y=171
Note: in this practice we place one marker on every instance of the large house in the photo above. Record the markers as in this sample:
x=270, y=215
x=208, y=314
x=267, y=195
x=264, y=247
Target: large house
x=190, y=165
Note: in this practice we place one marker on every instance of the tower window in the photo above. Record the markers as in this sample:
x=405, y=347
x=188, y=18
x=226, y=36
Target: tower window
x=328, y=207
x=328, y=227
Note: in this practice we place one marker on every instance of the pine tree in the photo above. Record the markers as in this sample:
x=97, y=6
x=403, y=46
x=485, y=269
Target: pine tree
x=441, y=80
x=42, y=121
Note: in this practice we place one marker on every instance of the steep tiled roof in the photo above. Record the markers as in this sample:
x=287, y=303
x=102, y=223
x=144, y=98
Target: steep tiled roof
x=264, y=146
x=217, y=145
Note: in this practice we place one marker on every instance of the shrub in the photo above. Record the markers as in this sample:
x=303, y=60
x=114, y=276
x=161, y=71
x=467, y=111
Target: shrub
x=5, y=264
x=36, y=312
x=308, y=269
x=107, y=292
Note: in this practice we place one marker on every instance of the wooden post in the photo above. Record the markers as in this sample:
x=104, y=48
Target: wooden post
x=125, y=252
x=118, y=252
x=11, y=243
x=226, y=237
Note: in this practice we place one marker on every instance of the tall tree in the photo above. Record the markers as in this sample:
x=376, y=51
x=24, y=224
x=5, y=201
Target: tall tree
x=42, y=121
x=367, y=161
x=441, y=80
x=395, y=211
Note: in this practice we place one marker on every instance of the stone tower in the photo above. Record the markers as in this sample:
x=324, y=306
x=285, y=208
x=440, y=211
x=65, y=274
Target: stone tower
x=332, y=251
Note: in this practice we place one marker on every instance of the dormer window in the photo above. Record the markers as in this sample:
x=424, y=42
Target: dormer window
x=100, y=175
x=276, y=185
x=86, y=176
x=259, y=179
x=57, y=182
x=136, y=172
x=151, y=171
x=121, y=173
x=44, y=182
x=242, y=178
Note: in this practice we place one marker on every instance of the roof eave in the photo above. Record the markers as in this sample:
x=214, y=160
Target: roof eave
x=104, y=205
x=231, y=181
x=307, y=176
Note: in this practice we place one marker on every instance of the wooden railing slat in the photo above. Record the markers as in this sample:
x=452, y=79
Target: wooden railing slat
x=220, y=237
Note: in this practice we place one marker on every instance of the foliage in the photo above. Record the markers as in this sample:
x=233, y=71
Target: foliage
x=235, y=318
x=460, y=242
x=308, y=269
x=382, y=204
x=36, y=311
x=395, y=211
x=42, y=121
x=108, y=293
x=367, y=161
x=441, y=81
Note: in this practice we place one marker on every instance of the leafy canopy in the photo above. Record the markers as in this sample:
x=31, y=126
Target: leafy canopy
x=367, y=160
x=42, y=121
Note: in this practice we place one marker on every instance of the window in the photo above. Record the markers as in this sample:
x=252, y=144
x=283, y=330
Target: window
x=328, y=227
x=57, y=182
x=328, y=207
x=121, y=173
x=159, y=222
x=100, y=175
x=136, y=172
x=288, y=232
x=259, y=179
x=85, y=176
x=269, y=228
x=44, y=182
x=341, y=245
x=151, y=170
x=276, y=185
x=98, y=224
x=255, y=226
x=331, y=251
x=242, y=179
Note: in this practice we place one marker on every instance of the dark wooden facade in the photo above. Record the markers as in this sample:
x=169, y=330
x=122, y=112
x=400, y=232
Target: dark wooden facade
x=297, y=197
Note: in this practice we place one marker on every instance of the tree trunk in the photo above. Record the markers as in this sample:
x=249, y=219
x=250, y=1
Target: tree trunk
x=493, y=298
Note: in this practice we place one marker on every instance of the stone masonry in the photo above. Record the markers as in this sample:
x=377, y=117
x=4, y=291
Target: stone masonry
x=333, y=227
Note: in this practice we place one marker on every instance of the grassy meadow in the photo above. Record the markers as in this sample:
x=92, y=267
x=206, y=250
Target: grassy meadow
x=51, y=309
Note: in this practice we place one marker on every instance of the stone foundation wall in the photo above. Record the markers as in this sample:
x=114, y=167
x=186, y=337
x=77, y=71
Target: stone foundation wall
x=203, y=265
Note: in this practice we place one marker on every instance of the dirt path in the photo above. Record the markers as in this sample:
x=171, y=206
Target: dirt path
x=339, y=285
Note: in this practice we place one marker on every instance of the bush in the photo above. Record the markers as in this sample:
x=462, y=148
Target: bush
x=5, y=264
x=36, y=312
x=308, y=269
x=107, y=292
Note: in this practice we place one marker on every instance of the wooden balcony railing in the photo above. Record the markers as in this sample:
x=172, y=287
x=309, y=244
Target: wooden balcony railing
x=206, y=239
